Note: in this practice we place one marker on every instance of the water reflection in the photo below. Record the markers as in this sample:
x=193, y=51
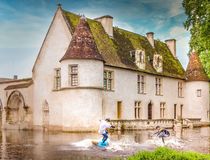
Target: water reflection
x=54, y=145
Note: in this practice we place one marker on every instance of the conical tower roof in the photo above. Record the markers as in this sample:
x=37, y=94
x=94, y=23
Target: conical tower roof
x=82, y=45
x=195, y=70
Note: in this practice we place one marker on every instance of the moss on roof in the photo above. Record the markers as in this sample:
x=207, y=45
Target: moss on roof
x=115, y=51
x=171, y=65
x=82, y=45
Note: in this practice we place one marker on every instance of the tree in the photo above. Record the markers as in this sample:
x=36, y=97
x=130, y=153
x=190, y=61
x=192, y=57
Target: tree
x=198, y=23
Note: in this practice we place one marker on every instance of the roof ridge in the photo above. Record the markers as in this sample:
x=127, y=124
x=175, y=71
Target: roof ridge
x=115, y=50
x=115, y=27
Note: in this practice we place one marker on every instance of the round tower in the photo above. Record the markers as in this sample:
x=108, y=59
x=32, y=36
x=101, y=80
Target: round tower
x=82, y=69
x=197, y=90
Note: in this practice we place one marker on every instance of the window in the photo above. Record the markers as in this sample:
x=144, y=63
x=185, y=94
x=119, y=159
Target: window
x=149, y=111
x=138, y=56
x=141, y=84
x=73, y=75
x=175, y=111
x=162, y=110
x=133, y=55
x=198, y=92
x=158, y=62
x=181, y=111
x=180, y=89
x=108, y=80
x=141, y=55
x=119, y=109
x=158, y=85
x=57, y=78
x=137, y=109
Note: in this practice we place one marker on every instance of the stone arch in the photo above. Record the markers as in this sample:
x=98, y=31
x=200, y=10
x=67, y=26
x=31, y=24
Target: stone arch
x=45, y=115
x=16, y=108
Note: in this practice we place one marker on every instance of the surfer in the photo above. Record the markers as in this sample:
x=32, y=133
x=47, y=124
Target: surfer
x=103, y=129
x=162, y=133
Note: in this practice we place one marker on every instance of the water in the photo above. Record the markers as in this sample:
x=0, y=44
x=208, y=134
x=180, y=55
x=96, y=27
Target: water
x=37, y=145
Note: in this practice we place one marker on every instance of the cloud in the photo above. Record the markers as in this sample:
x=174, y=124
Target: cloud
x=27, y=31
x=175, y=8
x=183, y=49
x=19, y=61
x=177, y=32
x=124, y=25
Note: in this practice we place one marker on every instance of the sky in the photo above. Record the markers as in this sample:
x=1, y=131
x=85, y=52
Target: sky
x=24, y=24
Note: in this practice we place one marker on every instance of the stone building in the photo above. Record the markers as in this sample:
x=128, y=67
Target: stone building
x=87, y=70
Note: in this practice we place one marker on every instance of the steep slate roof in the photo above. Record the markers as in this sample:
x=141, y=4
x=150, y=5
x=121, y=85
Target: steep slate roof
x=195, y=70
x=115, y=51
x=82, y=45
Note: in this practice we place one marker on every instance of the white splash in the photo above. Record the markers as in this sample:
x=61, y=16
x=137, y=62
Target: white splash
x=86, y=143
x=172, y=142
x=113, y=145
x=123, y=145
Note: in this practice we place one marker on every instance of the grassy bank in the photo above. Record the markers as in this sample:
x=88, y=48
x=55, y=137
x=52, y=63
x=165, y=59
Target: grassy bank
x=164, y=153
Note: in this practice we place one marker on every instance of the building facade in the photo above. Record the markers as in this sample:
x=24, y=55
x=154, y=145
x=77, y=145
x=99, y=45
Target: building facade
x=87, y=70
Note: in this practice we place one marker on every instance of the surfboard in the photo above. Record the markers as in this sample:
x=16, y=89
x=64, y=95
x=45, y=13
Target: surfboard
x=100, y=144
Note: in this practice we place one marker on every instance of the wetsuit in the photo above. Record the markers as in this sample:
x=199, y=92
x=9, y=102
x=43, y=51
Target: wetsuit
x=162, y=133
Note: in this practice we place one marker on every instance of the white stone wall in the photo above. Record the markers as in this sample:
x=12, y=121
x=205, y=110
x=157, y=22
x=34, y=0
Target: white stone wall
x=197, y=106
x=81, y=109
x=54, y=47
x=90, y=72
x=125, y=90
x=27, y=95
x=82, y=104
x=67, y=107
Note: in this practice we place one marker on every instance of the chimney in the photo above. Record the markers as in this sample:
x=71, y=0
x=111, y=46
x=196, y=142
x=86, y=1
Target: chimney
x=107, y=23
x=15, y=77
x=171, y=43
x=150, y=38
x=59, y=5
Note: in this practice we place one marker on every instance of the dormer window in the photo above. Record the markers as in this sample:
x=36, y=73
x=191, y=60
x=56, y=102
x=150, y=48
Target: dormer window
x=138, y=56
x=158, y=62
x=132, y=55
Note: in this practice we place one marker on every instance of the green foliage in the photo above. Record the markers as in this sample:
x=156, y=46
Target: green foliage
x=164, y=153
x=205, y=59
x=198, y=23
